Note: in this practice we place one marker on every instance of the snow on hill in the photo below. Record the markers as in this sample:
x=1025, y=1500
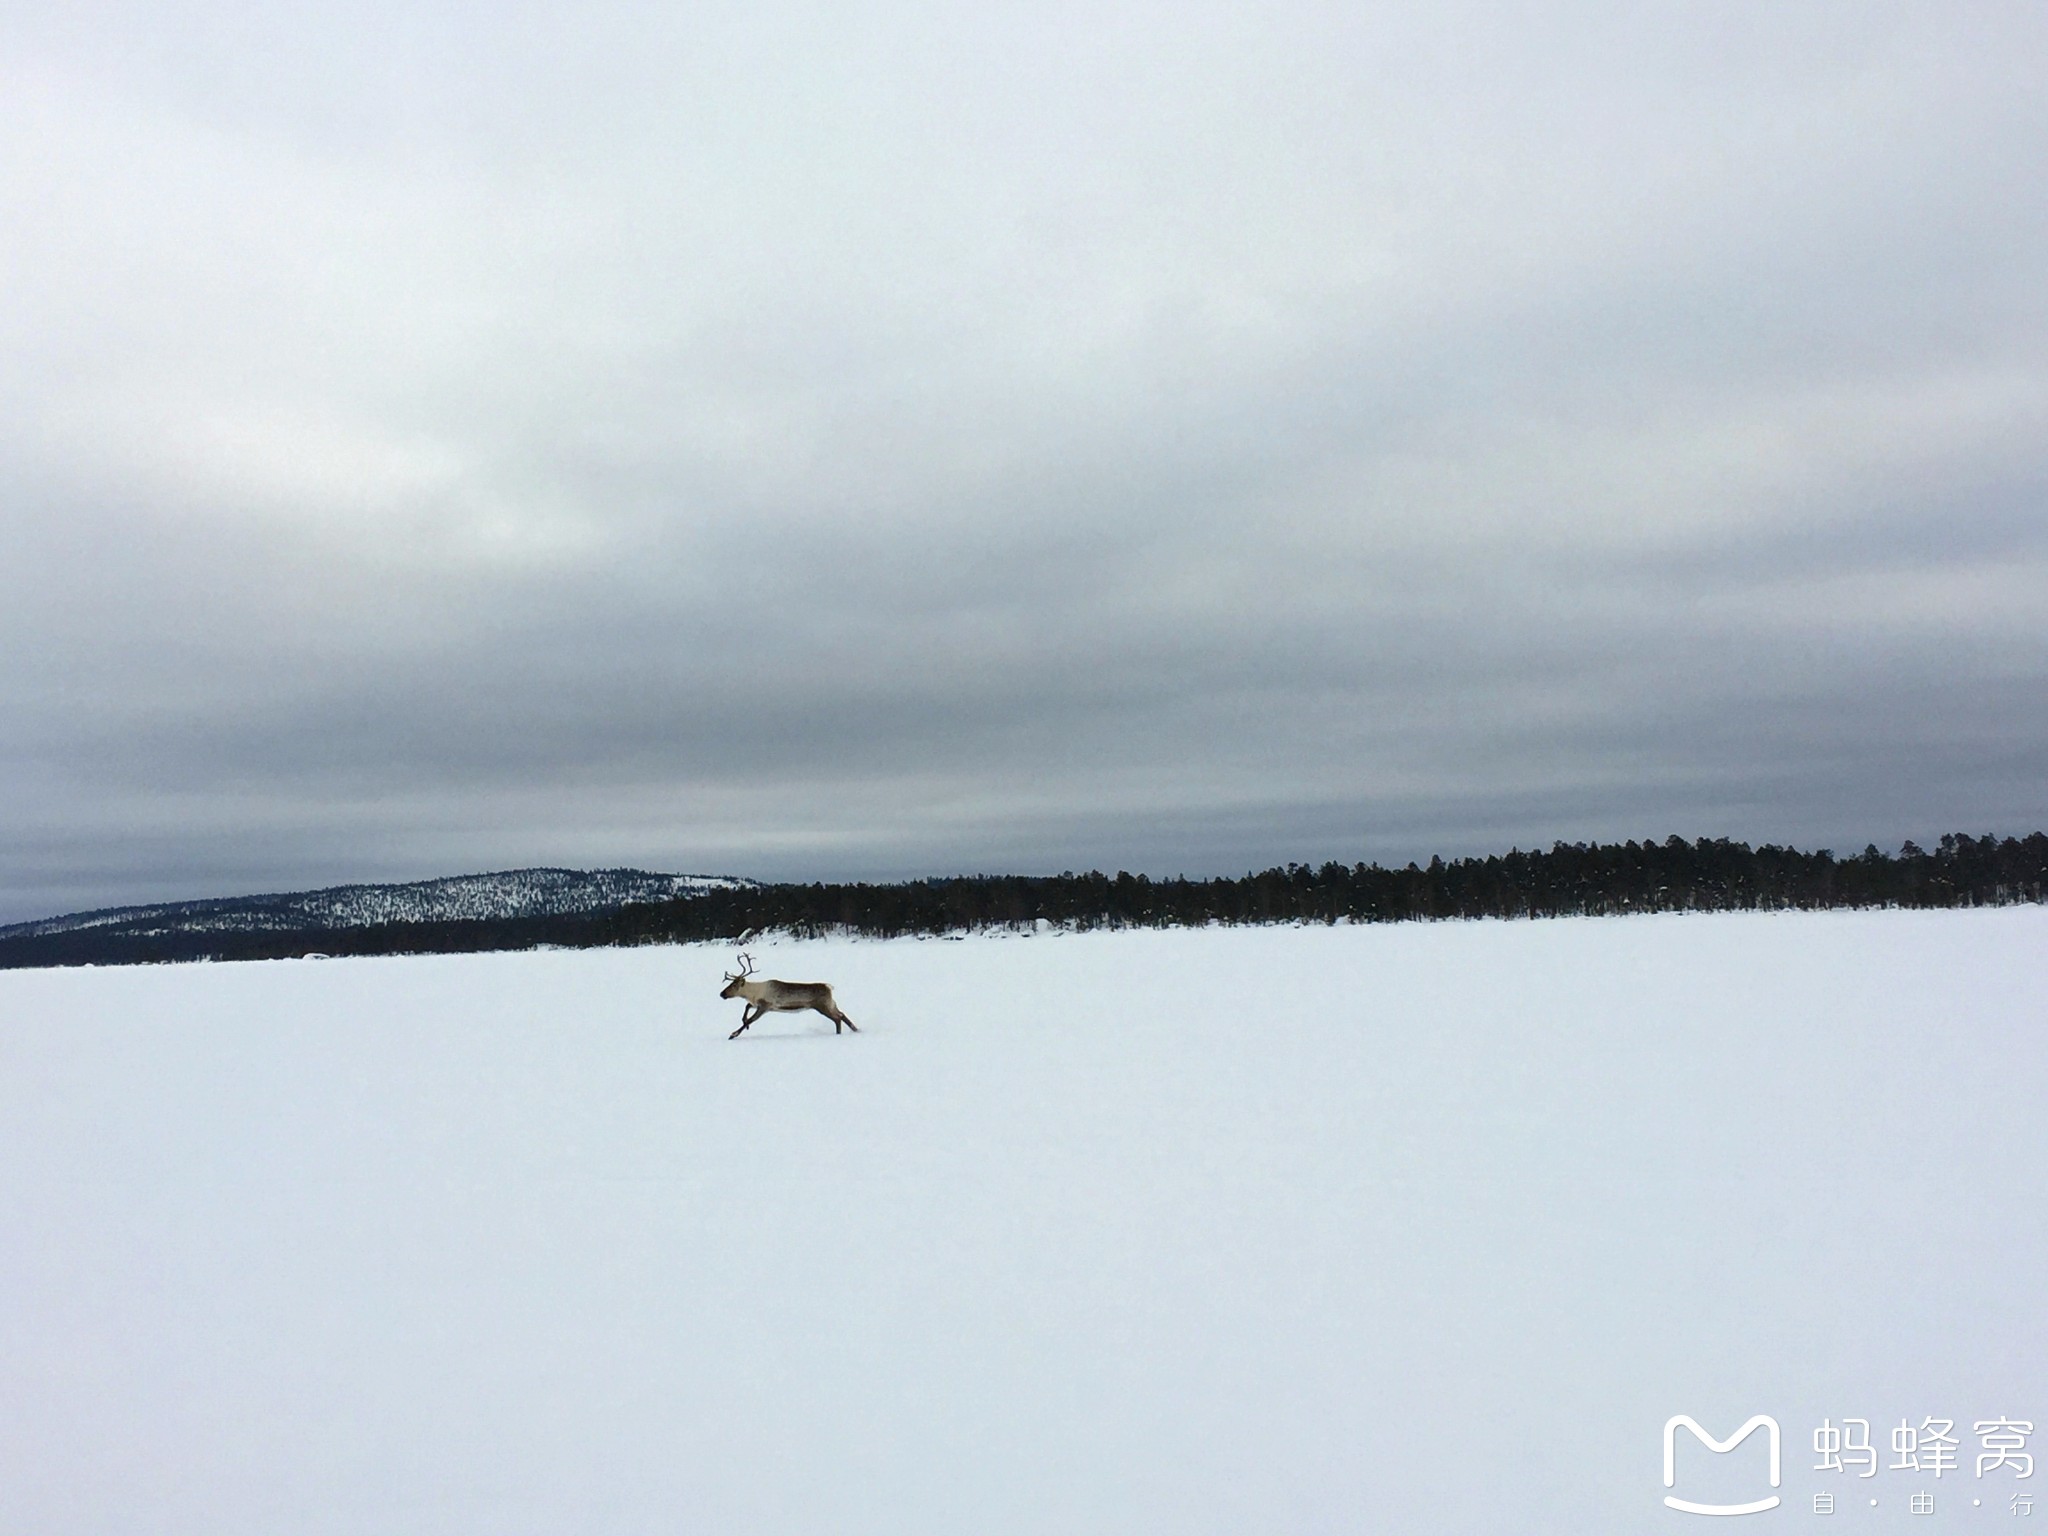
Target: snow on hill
x=511, y=893
x=1420, y=1228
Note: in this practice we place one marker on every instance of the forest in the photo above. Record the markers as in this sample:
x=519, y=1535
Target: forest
x=1569, y=880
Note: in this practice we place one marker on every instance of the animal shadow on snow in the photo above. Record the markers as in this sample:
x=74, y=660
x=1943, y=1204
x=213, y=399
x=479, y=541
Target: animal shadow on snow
x=789, y=1035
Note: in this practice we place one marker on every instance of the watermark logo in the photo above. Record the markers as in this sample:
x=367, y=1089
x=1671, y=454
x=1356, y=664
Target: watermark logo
x=1929, y=1451
x=1672, y=1425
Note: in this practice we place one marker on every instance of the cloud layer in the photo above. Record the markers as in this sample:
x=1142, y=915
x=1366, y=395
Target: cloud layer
x=821, y=441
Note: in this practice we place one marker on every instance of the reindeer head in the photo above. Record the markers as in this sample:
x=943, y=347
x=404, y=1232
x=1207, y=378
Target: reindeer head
x=734, y=981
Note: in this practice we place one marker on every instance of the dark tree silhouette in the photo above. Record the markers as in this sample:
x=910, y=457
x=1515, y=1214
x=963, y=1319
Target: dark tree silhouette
x=1571, y=879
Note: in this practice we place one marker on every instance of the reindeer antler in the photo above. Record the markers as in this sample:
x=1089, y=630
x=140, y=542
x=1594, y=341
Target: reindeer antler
x=746, y=966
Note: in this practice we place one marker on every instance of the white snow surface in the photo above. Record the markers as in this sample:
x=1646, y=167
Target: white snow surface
x=1415, y=1229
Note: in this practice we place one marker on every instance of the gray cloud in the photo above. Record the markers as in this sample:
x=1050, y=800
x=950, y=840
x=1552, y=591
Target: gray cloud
x=826, y=441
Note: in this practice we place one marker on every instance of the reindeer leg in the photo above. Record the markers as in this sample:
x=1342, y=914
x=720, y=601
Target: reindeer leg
x=753, y=1012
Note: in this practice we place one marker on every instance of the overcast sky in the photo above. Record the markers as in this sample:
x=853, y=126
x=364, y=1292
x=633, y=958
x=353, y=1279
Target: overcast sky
x=885, y=439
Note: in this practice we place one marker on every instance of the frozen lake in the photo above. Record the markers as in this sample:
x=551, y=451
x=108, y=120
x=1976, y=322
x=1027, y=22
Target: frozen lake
x=1419, y=1228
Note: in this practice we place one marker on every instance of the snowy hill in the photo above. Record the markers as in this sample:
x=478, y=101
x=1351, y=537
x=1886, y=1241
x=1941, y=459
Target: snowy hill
x=509, y=894
x=1410, y=1228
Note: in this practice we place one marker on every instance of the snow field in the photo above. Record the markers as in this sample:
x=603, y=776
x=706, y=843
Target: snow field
x=1413, y=1228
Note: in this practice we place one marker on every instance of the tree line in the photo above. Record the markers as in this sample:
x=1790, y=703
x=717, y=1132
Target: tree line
x=1569, y=880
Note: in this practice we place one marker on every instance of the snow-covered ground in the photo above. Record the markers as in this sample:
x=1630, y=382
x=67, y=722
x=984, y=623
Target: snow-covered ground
x=1403, y=1229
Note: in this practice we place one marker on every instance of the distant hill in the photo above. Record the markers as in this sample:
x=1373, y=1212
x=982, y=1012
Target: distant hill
x=512, y=893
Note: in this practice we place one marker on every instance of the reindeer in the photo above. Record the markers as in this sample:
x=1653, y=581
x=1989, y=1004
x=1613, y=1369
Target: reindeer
x=780, y=997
